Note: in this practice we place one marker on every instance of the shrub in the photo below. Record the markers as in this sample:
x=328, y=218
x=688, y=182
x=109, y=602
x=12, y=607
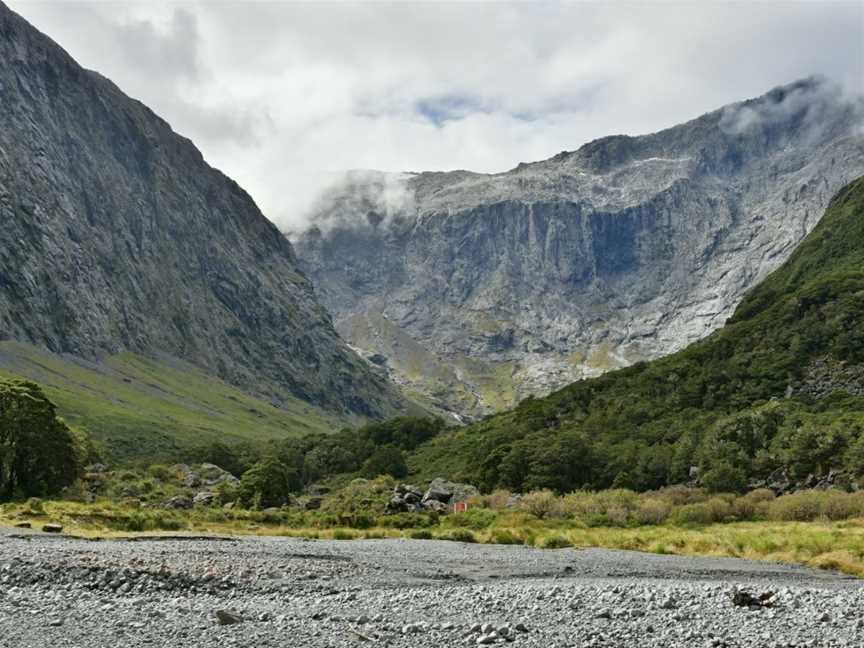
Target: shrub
x=580, y=504
x=714, y=510
x=618, y=498
x=497, y=500
x=162, y=472
x=265, y=484
x=420, y=534
x=344, y=534
x=35, y=506
x=753, y=505
x=386, y=460
x=837, y=505
x=406, y=521
x=803, y=506
x=542, y=503
x=680, y=495
x=39, y=454
x=472, y=519
x=504, y=537
x=555, y=542
x=724, y=478
x=652, y=510
x=458, y=535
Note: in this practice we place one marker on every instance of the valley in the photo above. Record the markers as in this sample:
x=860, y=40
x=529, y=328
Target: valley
x=611, y=397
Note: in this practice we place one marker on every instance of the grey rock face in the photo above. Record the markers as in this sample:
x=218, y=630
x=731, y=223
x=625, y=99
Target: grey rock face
x=117, y=236
x=480, y=289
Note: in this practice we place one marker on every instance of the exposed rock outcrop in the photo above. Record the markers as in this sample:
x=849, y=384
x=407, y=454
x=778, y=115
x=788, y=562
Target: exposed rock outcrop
x=117, y=235
x=480, y=289
x=438, y=497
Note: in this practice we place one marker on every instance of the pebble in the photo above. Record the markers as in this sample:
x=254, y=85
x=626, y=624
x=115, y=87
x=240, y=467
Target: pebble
x=257, y=591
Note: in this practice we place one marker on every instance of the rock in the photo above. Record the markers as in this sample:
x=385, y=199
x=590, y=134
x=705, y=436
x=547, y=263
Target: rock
x=668, y=603
x=213, y=475
x=224, y=617
x=313, y=503
x=188, y=268
x=490, y=638
x=96, y=468
x=448, y=492
x=205, y=498
x=52, y=528
x=317, y=490
x=405, y=499
x=22, y=525
x=743, y=598
x=435, y=505
x=535, y=232
x=179, y=502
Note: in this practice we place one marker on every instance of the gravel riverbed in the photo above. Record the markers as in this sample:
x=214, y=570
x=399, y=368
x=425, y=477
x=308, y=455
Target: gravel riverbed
x=63, y=592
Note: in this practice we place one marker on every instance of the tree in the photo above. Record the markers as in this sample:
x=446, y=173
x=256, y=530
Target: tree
x=725, y=478
x=234, y=459
x=386, y=460
x=39, y=454
x=267, y=483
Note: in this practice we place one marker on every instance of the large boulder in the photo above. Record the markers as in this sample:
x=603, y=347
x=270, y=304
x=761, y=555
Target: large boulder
x=179, y=502
x=188, y=477
x=447, y=492
x=405, y=499
x=211, y=475
x=205, y=498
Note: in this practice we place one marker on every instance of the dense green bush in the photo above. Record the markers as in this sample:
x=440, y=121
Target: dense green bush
x=725, y=478
x=476, y=519
x=267, y=483
x=39, y=454
x=386, y=460
x=714, y=510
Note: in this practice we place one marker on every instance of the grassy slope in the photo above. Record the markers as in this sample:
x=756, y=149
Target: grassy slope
x=813, y=306
x=138, y=408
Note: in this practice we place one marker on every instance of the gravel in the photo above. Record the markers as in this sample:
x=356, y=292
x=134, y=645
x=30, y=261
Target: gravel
x=179, y=591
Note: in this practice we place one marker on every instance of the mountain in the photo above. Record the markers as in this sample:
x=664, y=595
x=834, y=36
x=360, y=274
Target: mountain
x=476, y=290
x=118, y=237
x=775, y=395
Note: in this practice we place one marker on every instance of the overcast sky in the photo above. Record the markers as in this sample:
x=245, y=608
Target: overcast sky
x=281, y=95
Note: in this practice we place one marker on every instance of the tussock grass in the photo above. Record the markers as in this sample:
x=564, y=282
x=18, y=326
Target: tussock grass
x=802, y=528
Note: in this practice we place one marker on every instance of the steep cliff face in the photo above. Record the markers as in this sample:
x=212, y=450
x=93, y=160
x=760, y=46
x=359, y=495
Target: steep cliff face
x=480, y=289
x=116, y=235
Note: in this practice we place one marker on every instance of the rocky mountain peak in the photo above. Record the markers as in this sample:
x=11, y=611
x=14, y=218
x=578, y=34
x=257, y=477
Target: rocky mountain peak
x=117, y=235
x=480, y=289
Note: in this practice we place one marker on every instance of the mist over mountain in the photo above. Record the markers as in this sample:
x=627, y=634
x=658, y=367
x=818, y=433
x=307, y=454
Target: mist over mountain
x=118, y=236
x=476, y=290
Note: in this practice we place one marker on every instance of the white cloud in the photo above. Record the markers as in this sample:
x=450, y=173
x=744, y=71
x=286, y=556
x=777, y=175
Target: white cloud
x=282, y=96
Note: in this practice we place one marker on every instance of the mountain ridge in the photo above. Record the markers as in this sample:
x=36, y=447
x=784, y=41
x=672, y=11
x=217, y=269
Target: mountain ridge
x=779, y=390
x=563, y=268
x=120, y=237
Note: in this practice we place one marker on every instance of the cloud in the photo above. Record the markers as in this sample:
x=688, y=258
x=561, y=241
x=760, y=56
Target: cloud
x=284, y=97
x=360, y=198
x=810, y=106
